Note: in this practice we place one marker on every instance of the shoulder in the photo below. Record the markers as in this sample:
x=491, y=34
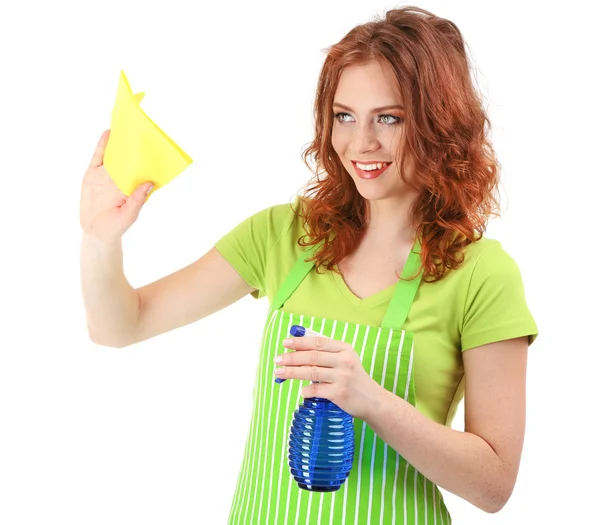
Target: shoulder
x=495, y=304
x=484, y=245
x=487, y=268
x=261, y=247
x=487, y=258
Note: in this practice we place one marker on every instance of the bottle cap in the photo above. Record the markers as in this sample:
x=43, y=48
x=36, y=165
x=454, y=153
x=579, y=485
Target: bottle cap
x=297, y=330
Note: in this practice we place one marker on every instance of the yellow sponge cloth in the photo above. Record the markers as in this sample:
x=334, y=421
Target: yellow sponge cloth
x=138, y=150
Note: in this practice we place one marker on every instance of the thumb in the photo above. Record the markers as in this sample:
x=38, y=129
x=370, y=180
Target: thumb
x=136, y=200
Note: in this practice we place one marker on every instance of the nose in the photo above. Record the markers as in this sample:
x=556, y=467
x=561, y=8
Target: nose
x=365, y=139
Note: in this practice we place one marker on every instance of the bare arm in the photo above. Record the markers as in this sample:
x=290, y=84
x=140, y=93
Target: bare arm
x=192, y=293
x=111, y=304
x=481, y=463
x=119, y=315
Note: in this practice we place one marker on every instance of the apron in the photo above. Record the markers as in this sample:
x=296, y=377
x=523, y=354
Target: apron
x=382, y=488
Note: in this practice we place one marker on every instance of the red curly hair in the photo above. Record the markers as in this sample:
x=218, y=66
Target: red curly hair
x=454, y=168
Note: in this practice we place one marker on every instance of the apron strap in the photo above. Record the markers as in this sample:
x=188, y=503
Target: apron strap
x=401, y=301
x=298, y=272
x=405, y=291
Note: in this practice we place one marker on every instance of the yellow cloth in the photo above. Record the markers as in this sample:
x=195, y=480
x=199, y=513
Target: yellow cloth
x=138, y=150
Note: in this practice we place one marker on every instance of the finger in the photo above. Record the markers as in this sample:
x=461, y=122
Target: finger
x=309, y=357
x=308, y=373
x=325, y=390
x=98, y=156
x=136, y=200
x=319, y=343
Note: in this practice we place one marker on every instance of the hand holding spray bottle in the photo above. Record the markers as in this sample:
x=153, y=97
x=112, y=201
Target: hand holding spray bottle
x=321, y=443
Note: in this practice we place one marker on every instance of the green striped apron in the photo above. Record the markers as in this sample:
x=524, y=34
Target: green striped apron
x=382, y=488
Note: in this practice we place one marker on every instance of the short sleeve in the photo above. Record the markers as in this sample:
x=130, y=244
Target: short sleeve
x=495, y=307
x=246, y=247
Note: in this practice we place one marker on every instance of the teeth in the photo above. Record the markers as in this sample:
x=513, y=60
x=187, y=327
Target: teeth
x=371, y=167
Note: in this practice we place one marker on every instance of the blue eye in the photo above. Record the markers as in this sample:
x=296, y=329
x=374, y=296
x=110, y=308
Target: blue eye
x=390, y=119
x=340, y=117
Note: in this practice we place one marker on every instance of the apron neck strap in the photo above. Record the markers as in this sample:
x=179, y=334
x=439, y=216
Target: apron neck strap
x=405, y=291
x=298, y=272
x=401, y=301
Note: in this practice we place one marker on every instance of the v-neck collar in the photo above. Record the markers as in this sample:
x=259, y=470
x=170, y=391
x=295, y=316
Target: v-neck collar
x=403, y=291
x=381, y=297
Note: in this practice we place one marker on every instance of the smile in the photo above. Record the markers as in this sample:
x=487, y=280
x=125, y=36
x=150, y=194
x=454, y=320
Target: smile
x=371, y=170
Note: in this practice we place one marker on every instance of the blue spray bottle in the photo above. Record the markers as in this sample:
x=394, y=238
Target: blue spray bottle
x=321, y=444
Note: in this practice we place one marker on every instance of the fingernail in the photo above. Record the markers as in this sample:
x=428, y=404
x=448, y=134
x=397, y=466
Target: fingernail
x=149, y=189
x=288, y=342
x=278, y=359
x=279, y=371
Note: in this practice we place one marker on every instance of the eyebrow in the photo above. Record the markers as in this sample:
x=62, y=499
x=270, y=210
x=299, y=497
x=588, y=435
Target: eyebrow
x=375, y=110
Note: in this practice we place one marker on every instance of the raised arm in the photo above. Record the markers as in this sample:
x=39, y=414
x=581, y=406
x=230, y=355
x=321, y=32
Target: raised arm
x=117, y=314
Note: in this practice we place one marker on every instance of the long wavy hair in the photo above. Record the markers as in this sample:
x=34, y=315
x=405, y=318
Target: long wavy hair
x=454, y=170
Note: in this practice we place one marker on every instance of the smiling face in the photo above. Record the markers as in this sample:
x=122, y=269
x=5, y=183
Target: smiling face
x=367, y=130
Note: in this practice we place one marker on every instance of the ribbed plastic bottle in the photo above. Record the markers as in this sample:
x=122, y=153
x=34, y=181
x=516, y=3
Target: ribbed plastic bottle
x=321, y=445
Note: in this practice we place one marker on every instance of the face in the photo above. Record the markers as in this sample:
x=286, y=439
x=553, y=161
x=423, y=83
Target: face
x=367, y=130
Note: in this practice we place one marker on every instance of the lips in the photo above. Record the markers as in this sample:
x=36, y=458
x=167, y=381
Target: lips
x=369, y=174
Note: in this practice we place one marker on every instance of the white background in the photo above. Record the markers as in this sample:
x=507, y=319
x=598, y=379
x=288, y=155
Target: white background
x=154, y=433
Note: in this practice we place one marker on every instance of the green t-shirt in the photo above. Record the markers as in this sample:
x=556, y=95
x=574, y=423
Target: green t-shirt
x=481, y=302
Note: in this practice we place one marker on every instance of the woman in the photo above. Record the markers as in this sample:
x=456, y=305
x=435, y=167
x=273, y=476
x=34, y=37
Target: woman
x=385, y=255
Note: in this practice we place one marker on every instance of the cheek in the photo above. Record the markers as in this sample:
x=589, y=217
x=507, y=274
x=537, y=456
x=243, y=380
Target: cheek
x=388, y=138
x=394, y=141
x=338, y=140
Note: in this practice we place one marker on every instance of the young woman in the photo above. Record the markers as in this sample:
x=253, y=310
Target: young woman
x=384, y=253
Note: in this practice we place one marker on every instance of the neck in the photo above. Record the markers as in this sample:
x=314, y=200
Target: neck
x=388, y=221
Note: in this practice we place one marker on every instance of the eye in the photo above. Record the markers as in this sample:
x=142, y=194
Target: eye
x=390, y=119
x=342, y=117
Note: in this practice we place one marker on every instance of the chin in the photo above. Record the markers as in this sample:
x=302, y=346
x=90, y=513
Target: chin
x=374, y=194
x=382, y=193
